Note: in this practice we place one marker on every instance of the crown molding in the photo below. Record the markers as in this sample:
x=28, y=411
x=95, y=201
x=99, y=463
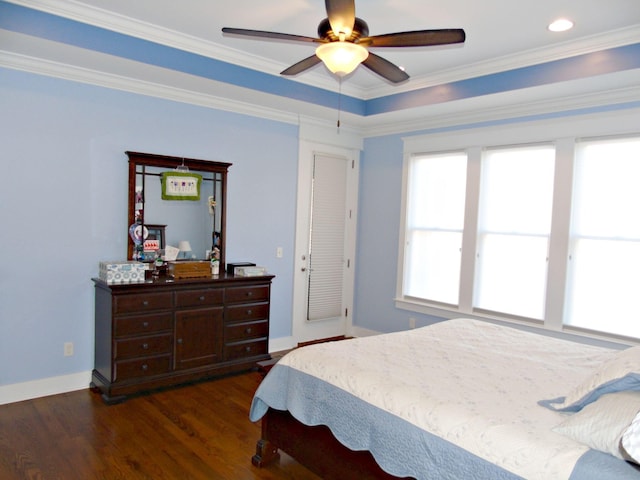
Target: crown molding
x=512, y=105
x=428, y=118
x=115, y=22
x=585, y=45
x=139, y=86
x=102, y=18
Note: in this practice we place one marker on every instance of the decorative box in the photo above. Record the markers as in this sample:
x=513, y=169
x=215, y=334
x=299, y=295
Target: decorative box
x=189, y=269
x=231, y=267
x=122, y=272
x=251, y=271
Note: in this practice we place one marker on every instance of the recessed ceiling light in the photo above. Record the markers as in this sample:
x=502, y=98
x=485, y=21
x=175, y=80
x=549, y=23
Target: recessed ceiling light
x=560, y=25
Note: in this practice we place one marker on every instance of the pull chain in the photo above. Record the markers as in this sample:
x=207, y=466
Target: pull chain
x=339, y=101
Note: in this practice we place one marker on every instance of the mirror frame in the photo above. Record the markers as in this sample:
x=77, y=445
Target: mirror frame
x=163, y=161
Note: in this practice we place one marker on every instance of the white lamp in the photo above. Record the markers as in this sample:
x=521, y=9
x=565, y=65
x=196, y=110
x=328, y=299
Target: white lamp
x=342, y=57
x=184, y=246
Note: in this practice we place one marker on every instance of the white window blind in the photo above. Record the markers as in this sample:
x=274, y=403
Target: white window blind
x=514, y=224
x=326, y=249
x=434, y=224
x=603, y=275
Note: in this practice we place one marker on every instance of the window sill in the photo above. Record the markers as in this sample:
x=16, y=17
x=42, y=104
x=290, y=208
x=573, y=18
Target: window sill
x=536, y=326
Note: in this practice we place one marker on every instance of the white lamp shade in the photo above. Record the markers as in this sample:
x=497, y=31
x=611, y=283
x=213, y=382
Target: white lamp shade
x=184, y=246
x=342, y=58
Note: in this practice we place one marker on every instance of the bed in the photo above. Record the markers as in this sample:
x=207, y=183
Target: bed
x=459, y=399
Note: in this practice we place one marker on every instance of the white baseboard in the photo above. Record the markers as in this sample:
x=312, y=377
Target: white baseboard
x=363, y=332
x=18, y=392
x=281, y=344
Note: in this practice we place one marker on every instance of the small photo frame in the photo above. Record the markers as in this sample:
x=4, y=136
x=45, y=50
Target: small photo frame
x=156, y=238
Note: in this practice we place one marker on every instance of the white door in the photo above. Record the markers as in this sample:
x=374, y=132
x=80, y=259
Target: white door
x=325, y=242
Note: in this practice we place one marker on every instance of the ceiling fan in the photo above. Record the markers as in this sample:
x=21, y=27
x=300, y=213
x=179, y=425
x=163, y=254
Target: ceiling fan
x=344, y=41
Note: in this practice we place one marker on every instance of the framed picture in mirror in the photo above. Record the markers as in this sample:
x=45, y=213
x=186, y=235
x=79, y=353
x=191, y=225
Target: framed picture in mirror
x=156, y=238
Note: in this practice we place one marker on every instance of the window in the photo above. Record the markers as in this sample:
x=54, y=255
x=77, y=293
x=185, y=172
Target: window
x=435, y=219
x=604, y=266
x=547, y=233
x=514, y=224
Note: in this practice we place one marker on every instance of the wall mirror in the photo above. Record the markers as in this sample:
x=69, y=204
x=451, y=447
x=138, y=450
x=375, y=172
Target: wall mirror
x=176, y=202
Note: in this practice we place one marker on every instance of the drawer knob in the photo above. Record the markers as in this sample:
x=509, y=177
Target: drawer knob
x=179, y=341
x=145, y=303
x=247, y=349
x=248, y=330
x=202, y=298
x=145, y=367
x=145, y=324
x=249, y=312
x=145, y=346
x=249, y=294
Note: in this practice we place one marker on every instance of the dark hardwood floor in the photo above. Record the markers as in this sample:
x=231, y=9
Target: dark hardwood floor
x=200, y=431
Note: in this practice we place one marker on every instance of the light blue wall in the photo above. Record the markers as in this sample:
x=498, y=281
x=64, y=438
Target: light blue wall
x=64, y=203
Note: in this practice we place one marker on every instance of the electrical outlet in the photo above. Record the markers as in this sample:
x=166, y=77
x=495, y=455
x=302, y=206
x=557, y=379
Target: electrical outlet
x=279, y=252
x=412, y=322
x=68, y=349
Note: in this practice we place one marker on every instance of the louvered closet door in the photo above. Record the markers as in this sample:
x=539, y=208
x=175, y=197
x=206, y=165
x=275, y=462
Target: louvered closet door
x=326, y=219
x=326, y=260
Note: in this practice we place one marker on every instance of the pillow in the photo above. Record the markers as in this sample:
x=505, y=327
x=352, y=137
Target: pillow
x=631, y=441
x=621, y=372
x=601, y=425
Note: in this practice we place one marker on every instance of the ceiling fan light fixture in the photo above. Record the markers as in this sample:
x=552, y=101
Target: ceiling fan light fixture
x=342, y=58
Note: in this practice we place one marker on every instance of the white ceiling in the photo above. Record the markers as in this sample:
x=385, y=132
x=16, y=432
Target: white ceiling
x=501, y=34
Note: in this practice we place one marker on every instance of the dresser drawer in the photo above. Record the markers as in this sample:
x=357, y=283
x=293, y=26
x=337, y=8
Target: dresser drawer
x=194, y=298
x=142, y=302
x=124, y=326
x=143, y=367
x=239, y=313
x=235, y=351
x=143, y=346
x=247, y=294
x=244, y=331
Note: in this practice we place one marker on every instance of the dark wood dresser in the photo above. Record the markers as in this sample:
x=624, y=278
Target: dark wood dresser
x=167, y=332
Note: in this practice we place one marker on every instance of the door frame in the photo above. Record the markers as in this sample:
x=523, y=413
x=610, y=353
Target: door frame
x=314, y=140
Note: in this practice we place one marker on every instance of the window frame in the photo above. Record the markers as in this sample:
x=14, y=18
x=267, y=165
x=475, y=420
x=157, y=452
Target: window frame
x=563, y=133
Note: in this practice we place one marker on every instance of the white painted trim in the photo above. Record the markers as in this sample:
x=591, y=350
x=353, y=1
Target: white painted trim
x=563, y=131
x=594, y=43
x=363, y=332
x=345, y=145
x=139, y=86
x=506, y=105
x=595, y=124
x=129, y=26
x=108, y=20
x=312, y=130
x=19, y=392
x=54, y=60
x=281, y=344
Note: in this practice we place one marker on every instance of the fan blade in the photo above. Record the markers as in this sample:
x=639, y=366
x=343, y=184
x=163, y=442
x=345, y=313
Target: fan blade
x=418, y=38
x=341, y=14
x=301, y=66
x=385, y=68
x=274, y=35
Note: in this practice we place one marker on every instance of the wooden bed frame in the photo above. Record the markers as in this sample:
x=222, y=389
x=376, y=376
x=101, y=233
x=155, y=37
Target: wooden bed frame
x=314, y=447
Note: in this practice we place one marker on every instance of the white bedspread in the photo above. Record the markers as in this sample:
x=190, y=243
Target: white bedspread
x=472, y=383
